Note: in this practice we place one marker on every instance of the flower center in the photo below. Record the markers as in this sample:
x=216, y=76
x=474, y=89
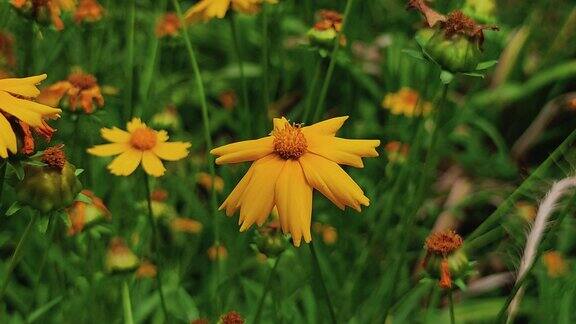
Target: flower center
x=289, y=142
x=54, y=157
x=443, y=243
x=82, y=81
x=143, y=139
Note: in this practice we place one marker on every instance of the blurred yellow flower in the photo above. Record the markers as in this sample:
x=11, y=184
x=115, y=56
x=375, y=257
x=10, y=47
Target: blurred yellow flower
x=289, y=164
x=208, y=9
x=406, y=102
x=15, y=95
x=555, y=264
x=139, y=144
x=205, y=180
x=185, y=225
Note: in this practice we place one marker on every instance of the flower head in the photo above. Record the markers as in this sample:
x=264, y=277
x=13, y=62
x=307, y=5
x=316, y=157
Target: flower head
x=288, y=165
x=82, y=90
x=443, y=256
x=168, y=25
x=119, y=257
x=208, y=9
x=555, y=264
x=185, y=225
x=406, y=102
x=16, y=104
x=44, y=11
x=82, y=213
x=139, y=144
x=88, y=11
x=232, y=317
x=146, y=270
x=443, y=243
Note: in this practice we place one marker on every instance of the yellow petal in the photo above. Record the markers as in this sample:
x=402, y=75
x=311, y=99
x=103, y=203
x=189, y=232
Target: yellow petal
x=22, y=86
x=171, y=151
x=257, y=201
x=244, y=151
x=152, y=164
x=126, y=162
x=135, y=124
x=218, y=8
x=341, y=150
x=7, y=137
x=108, y=149
x=115, y=135
x=231, y=204
x=27, y=111
x=326, y=127
x=294, y=202
x=328, y=177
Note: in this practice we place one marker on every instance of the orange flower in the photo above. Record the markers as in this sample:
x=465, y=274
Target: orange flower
x=555, y=264
x=88, y=11
x=146, y=270
x=217, y=252
x=185, y=225
x=396, y=151
x=406, y=102
x=228, y=99
x=44, y=11
x=168, y=25
x=206, y=181
x=82, y=90
x=82, y=213
x=119, y=257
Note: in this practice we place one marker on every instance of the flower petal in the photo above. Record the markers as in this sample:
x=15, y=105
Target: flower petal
x=171, y=151
x=7, y=138
x=326, y=127
x=126, y=162
x=328, y=177
x=294, y=202
x=244, y=151
x=27, y=111
x=231, y=204
x=135, y=124
x=258, y=199
x=152, y=164
x=341, y=150
x=115, y=135
x=22, y=86
x=108, y=149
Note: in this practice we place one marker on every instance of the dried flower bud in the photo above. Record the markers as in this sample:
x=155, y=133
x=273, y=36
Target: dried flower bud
x=270, y=241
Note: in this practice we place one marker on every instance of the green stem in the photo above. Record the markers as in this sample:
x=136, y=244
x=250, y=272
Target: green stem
x=156, y=246
x=265, y=291
x=312, y=91
x=207, y=134
x=451, y=302
x=126, y=303
x=318, y=270
x=265, y=61
x=130, y=58
x=332, y=64
x=16, y=255
x=2, y=176
x=52, y=224
x=245, y=111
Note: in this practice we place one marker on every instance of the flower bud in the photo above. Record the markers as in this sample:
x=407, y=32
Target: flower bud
x=445, y=260
x=83, y=214
x=50, y=187
x=120, y=258
x=270, y=241
x=456, y=53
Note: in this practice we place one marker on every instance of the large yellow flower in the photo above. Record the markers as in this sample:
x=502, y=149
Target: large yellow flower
x=15, y=95
x=139, y=144
x=289, y=164
x=208, y=9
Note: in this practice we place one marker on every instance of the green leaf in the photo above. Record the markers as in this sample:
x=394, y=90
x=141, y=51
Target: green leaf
x=415, y=54
x=446, y=77
x=40, y=311
x=35, y=163
x=475, y=75
x=78, y=172
x=13, y=209
x=18, y=169
x=486, y=65
x=42, y=224
x=83, y=198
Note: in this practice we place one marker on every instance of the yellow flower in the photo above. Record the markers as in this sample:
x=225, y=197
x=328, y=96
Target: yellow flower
x=289, y=164
x=15, y=95
x=208, y=9
x=406, y=102
x=139, y=144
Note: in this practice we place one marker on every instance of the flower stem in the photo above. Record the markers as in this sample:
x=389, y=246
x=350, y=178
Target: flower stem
x=52, y=224
x=265, y=291
x=130, y=58
x=265, y=61
x=206, y=122
x=318, y=270
x=126, y=304
x=16, y=255
x=2, y=176
x=451, y=302
x=156, y=247
x=245, y=112
x=311, y=91
x=331, y=65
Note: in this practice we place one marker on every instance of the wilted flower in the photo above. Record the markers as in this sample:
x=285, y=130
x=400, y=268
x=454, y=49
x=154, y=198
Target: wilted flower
x=443, y=256
x=206, y=181
x=406, y=102
x=555, y=264
x=168, y=25
x=139, y=144
x=82, y=214
x=217, y=252
x=288, y=165
x=206, y=10
x=88, y=11
x=15, y=94
x=82, y=90
x=120, y=258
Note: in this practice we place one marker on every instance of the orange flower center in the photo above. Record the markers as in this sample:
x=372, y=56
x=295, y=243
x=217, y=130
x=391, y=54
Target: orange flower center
x=82, y=81
x=443, y=243
x=289, y=142
x=54, y=157
x=143, y=139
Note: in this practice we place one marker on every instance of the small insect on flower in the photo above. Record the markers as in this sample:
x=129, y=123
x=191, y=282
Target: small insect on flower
x=288, y=165
x=168, y=25
x=88, y=11
x=15, y=96
x=139, y=144
x=406, y=102
x=81, y=88
x=208, y=9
